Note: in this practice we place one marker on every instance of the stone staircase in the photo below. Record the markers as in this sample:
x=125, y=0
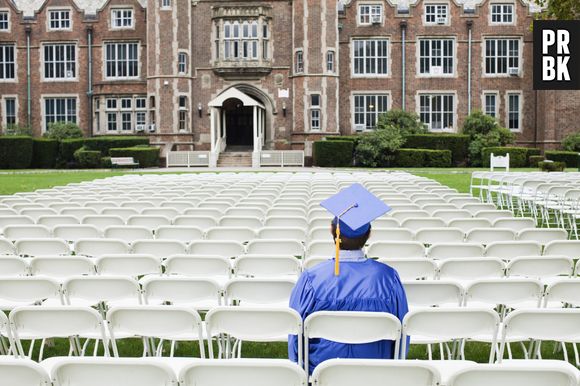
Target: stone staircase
x=235, y=159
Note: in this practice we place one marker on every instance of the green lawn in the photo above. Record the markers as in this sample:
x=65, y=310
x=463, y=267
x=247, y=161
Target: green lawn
x=27, y=182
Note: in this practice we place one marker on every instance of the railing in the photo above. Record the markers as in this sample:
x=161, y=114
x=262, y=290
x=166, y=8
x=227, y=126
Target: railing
x=282, y=158
x=188, y=158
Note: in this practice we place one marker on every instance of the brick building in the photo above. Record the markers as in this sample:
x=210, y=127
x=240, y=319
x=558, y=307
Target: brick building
x=272, y=74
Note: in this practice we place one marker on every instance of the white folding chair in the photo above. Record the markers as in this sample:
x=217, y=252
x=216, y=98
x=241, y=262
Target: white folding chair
x=201, y=222
x=133, y=265
x=124, y=213
x=17, y=232
x=410, y=268
x=101, y=291
x=320, y=248
x=253, y=223
x=493, y=215
x=507, y=250
x=103, y=221
x=51, y=221
x=159, y=248
x=312, y=261
x=569, y=248
x=6, y=342
x=60, y=267
x=543, y=236
x=286, y=221
x=415, y=224
x=444, y=251
x=504, y=294
x=351, y=327
x=375, y=372
x=465, y=270
x=452, y=214
x=87, y=371
x=433, y=293
x=258, y=292
x=255, y=324
x=489, y=235
x=239, y=234
x=185, y=234
x=150, y=222
x=75, y=232
x=246, y=211
x=42, y=247
x=6, y=247
x=170, y=213
x=381, y=222
x=199, y=293
x=172, y=323
x=439, y=235
x=386, y=234
x=100, y=247
x=467, y=224
x=235, y=372
x=395, y=249
x=32, y=322
x=401, y=215
x=563, y=293
x=217, y=268
x=543, y=268
x=13, y=266
x=267, y=266
x=28, y=290
x=274, y=247
x=35, y=213
x=442, y=325
x=204, y=212
x=515, y=224
x=223, y=248
x=79, y=213
x=473, y=208
x=6, y=220
x=293, y=233
x=127, y=233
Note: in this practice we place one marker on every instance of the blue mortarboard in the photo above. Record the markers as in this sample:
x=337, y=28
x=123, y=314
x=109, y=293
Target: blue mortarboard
x=354, y=208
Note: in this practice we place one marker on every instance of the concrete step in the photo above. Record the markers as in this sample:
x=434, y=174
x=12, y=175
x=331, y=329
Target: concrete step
x=235, y=159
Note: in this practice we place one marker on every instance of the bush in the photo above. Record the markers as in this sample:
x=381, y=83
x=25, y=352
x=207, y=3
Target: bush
x=67, y=149
x=63, y=130
x=333, y=153
x=484, y=131
x=88, y=159
x=571, y=142
x=378, y=148
x=15, y=152
x=533, y=151
x=550, y=166
x=106, y=163
x=44, y=153
x=518, y=155
x=407, y=122
x=104, y=144
x=479, y=123
x=457, y=143
x=18, y=130
x=570, y=158
x=414, y=158
x=535, y=160
x=147, y=157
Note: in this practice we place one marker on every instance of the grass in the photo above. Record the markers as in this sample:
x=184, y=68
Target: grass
x=28, y=182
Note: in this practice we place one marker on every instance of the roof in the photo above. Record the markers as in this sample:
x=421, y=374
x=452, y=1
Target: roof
x=29, y=7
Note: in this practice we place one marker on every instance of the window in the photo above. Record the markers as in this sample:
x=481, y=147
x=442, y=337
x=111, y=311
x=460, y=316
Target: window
x=241, y=40
x=182, y=113
x=501, y=56
x=436, y=111
x=122, y=18
x=502, y=13
x=182, y=63
x=59, y=61
x=367, y=109
x=140, y=112
x=370, y=57
x=59, y=19
x=122, y=60
x=436, y=13
x=436, y=57
x=126, y=113
x=315, y=112
x=60, y=110
x=330, y=61
x=370, y=14
x=165, y=3
x=265, y=41
x=7, y=62
x=4, y=21
x=9, y=112
x=299, y=61
x=513, y=113
x=490, y=104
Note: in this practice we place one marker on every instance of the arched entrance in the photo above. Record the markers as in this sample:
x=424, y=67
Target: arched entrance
x=237, y=122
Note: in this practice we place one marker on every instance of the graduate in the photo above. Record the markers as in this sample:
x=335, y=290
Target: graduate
x=349, y=281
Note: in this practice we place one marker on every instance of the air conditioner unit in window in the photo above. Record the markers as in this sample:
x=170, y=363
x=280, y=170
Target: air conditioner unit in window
x=514, y=71
x=359, y=127
x=70, y=74
x=152, y=128
x=376, y=19
x=441, y=20
x=140, y=128
x=436, y=70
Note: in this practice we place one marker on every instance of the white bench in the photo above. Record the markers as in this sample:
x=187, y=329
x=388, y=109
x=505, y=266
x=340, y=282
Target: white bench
x=123, y=161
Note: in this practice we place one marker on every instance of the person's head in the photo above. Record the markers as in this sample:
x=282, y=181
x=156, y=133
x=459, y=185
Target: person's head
x=350, y=243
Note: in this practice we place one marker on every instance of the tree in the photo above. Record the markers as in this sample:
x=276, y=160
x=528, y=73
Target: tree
x=407, y=122
x=378, y=148
x=484, y=131
x=63, y=130
x=559, y=9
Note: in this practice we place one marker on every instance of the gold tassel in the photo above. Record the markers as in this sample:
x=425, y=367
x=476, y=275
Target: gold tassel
x=337, y=252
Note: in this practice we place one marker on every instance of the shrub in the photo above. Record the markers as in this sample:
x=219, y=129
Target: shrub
x=535, y=160
x=484, y=131
x=18, y=130
x=147, y=157
x=67, y=149
x=378, y=148
x=479, y=123
x=44, y=153
x=571, y=142
x=104, y=144
x=88, y=159
x=550, y=166
x=533, y=151
x=106, y=163
x=63, y=130
x=457, y=143
x=414, y=158
x=15, y=152
x=407, y=122
x=570, y=158
x=333, y=153
x=518, y=155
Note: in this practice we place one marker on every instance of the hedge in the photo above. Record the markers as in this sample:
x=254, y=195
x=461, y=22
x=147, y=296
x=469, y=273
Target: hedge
x=104, y=144
x=147, y=157
x=415, y=158
x=333, y=153
x=88, y=159
x=535, y=160
x=518, y=155
x=15, y=152
x=552, y=166
x=533, y=151
x=457, y=143
x=44, y=153
x=570, y=158
x=66, y=152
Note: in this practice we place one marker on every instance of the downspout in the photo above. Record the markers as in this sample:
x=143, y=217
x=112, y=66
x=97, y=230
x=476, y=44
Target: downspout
x=403, y=25
x=28, y=90
x=469, y=27
x=90, y=78
x=536, y=118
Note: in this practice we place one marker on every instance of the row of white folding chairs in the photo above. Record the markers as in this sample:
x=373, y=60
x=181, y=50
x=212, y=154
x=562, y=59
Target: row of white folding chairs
x=96, y=247
x=70, y=371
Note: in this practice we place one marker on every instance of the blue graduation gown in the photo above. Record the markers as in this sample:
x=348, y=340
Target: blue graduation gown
x=363, y=285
